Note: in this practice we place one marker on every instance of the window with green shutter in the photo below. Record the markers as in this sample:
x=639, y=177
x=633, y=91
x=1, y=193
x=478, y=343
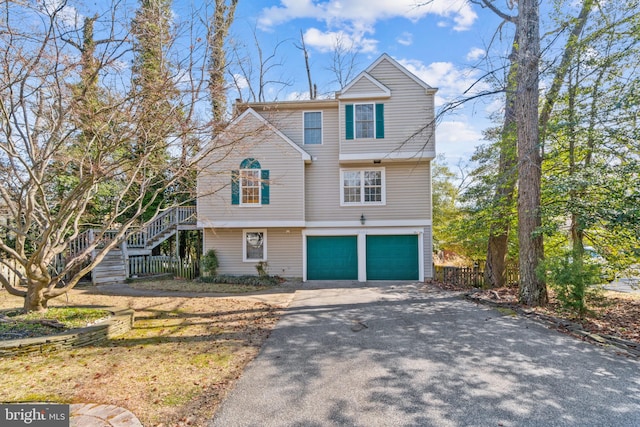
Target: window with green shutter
x=348, y=120
x=364, y=121
x=250, y=184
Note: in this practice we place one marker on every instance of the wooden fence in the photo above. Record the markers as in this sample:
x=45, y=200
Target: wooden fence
x=470, y=276
x=6, y=270
x=157, y=265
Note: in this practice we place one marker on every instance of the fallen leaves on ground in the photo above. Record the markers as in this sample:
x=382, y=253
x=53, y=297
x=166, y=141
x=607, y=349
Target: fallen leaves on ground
x=171, y=369
x=609, y=313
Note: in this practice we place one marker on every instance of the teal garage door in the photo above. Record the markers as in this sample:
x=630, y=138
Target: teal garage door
x=332, y=258
x=393, y=257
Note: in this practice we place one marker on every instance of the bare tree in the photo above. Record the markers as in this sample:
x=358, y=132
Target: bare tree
x=303, y=47
x=252, y=70
x=344, y=61
x=60, y=148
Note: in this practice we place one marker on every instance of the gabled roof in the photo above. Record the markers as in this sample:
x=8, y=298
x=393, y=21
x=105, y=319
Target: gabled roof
x=250, y=111
x=384, y=91
x=379, y=90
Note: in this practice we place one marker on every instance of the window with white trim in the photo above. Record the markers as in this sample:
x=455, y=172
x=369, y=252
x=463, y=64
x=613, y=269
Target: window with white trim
x=254, y=245
x=313, y=127
x=362, y=187
x=364, y=120
x=250, y=184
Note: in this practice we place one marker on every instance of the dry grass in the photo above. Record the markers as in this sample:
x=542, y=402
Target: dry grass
x=192, y=286
x=171, y=369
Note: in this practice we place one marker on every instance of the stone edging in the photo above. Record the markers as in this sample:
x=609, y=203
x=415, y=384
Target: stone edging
x=629, y=348
x=120, y=322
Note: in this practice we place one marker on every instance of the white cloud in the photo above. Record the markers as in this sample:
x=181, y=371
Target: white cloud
x=458, y=139
x=240, y=81
x=452, y=82
x=405, y=39
x=67, y=14
x=326, y=41
x=367, y=12
x=476, y=53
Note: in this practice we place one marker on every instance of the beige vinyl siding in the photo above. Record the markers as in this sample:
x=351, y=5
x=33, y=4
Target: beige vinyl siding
x=408, y=192
x=284, y=251
x=288, y=117
x=286, y=181
x=365, y=86
x=409, y=110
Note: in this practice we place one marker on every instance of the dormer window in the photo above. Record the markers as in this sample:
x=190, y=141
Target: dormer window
x=364, y=121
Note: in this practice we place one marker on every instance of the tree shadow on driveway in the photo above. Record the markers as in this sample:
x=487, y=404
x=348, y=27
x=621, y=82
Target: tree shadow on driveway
x=394, y=355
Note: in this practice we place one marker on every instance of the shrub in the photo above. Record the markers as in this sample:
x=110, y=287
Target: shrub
x=572, y=280
x=210, y=263
x=243, y=280
x=262, y=269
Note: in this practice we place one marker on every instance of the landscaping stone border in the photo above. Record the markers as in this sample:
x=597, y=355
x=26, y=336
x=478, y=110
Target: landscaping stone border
x=626, y=347
x=120, y=322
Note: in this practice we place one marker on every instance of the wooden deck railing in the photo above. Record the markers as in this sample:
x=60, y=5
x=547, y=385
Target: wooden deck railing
x=182, y=215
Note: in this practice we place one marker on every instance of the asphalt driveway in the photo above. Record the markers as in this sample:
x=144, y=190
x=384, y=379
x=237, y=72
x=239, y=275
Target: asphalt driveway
x=393, y=355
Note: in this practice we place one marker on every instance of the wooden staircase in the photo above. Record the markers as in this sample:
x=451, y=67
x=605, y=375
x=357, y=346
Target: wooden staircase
x=114, y=267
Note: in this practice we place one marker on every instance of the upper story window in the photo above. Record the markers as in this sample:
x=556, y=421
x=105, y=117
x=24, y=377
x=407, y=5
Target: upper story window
x=362, y=187
x=313, y=127
x=250, y=187
x=250, y=184
x=364, y=121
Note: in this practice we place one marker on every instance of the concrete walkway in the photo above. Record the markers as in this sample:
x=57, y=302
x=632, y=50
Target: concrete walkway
x=385, y=355
x=94, y=415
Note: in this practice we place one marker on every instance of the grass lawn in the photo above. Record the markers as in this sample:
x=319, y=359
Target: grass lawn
x=171, y=369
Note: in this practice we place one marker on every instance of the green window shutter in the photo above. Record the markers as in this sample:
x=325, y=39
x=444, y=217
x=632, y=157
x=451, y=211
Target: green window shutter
x=348, y=121
x=235, y=187
x=264, y=186
x=379, y=121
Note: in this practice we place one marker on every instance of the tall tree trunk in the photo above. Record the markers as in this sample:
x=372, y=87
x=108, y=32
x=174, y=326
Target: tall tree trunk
x=35, y=299
x=495, y=272
x=222, y=18
x=533, y=290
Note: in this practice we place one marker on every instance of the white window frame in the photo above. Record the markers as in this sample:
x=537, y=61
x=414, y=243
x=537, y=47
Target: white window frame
x=241, y=187
x=244, y=245
x=321, y=128
x=383, y=190
x=355, y=121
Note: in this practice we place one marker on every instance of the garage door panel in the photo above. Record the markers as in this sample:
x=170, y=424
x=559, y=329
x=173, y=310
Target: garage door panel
x=332, y=258
x=392, y=257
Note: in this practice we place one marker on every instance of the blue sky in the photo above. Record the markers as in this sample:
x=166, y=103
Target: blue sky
x=443, y=43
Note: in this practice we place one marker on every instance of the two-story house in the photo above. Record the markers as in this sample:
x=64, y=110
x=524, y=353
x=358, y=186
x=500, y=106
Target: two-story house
x=328, y=189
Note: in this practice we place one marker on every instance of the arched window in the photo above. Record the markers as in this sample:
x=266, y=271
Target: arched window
x=250, y=184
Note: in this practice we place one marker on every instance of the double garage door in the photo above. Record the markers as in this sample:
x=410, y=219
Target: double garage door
x=388, y=257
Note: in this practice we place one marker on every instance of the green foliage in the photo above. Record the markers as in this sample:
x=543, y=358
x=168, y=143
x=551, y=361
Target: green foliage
x=243, y=280
x=262, y=269
x=210, y=263
x=572, y=278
